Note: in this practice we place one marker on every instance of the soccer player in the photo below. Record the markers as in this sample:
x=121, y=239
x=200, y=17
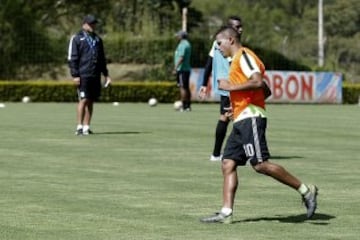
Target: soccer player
x=87, y=61
x=182, y=69
x=247, y=142
x=219, y=66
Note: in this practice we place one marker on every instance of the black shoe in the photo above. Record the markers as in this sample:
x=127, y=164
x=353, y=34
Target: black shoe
x=88, y=132
x=79, y=132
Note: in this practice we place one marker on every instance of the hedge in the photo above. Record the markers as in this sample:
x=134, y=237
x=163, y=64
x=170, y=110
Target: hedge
x=351, y=93
x=11, y=91
x=166, y=92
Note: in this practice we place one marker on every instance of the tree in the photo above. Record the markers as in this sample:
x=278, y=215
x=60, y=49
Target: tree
x=34, y=33
x=23, y=42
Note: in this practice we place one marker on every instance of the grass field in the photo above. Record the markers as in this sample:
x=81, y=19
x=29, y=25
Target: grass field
x=145, y=174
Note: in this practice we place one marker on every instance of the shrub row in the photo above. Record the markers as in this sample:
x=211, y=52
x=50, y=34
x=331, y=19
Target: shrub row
x=12, y=91
x=66, y=91
x=351, y=93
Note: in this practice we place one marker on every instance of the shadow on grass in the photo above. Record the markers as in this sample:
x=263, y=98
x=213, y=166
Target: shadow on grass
x=123, y=132
x=318, y=219
x=285, y=157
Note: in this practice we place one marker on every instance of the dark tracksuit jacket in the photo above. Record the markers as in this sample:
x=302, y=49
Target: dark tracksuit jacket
x=86, y=56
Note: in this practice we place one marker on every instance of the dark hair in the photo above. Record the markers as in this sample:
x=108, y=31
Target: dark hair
x=236, y=18
x=229, y=31
x=235, y=22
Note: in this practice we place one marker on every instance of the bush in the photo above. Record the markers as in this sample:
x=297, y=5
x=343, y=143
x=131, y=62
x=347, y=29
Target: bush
x=66, y=92
x=351, y=93
x=165, y=92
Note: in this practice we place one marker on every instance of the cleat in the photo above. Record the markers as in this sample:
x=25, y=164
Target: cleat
x=217, y=218
x=215, y=158
x=310, y=200
x=88, y=132
x=185, y=110
x=79, y=132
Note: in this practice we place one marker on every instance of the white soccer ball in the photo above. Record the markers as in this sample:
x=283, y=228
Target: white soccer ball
x=178, y=105
x=26, y=99
x=152, y=102
x=116, y=103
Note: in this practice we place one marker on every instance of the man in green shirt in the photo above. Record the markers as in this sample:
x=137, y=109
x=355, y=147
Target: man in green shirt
x=182, y=69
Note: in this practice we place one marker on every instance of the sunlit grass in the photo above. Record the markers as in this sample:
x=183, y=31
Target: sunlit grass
x=145, y=174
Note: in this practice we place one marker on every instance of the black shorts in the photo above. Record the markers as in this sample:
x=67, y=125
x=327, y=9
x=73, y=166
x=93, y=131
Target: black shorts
x=224, y=103
x=247, y=142
x=183, y=79
x=89, y=88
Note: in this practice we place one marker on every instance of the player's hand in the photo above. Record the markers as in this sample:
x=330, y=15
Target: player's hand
x=229, y=113
x=76, y=81
x=202, y=92
x=266, y=89
x=107, y=82
x=224, y=85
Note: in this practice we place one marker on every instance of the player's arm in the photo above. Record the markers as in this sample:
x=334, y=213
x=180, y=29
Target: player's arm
x=73, y=57
x=177, y=64
x=267, y=90
x=209, y=65
x=103, y=62
x=207, y=73
x=252, y=71
x=73, y=60
x=255, y=82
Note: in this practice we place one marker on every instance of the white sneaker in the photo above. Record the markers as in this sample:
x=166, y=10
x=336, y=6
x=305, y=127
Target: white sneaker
x=217, y=218
x=215, y=158
x=87, y=132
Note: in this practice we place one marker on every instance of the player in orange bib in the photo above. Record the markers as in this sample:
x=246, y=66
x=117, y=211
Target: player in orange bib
x=245, y=64
x=247, y=141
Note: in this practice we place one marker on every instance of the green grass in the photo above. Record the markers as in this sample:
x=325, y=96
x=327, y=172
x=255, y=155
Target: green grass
x=146, y=174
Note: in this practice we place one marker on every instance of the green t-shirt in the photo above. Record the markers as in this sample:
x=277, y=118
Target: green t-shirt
x=183, y=49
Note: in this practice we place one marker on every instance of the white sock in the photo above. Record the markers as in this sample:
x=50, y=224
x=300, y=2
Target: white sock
x=79, y=126
x=303, y=189
x=86, y=128
x=227, y=211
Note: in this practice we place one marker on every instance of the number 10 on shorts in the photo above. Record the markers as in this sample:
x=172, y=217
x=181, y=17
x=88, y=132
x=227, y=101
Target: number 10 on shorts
x=249, y=150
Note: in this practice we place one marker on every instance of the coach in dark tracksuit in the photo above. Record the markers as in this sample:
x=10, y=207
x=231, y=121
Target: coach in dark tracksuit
x=87, y=61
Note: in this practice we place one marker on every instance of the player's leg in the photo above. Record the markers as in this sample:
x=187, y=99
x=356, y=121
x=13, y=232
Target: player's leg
x=277, y=172
x=221, y=129
x=80, y=112
x=87, y=116
x=258, y=154
x=80, y=108
x=308, y=192
x=93, y=93
x=183, y=97
x=186, y=88
x=180, y=84
x=230, y=182
x=233, y=157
